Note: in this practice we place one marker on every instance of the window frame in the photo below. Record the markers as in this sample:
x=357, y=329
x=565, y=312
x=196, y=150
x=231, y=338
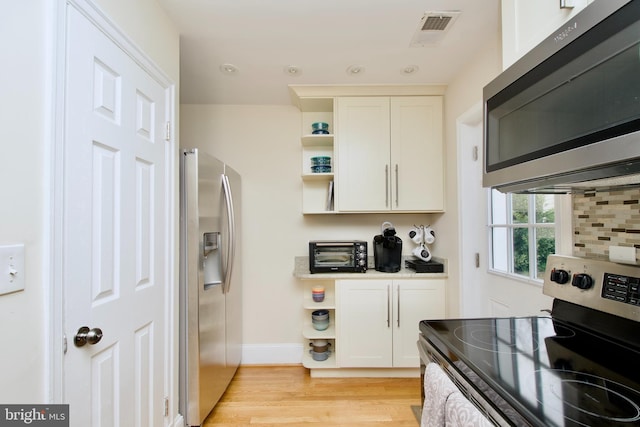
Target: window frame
x=560, y=209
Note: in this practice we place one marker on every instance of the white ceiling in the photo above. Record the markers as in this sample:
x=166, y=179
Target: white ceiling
x=323, y=38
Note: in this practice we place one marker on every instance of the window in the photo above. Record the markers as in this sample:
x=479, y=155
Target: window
x=522, y=233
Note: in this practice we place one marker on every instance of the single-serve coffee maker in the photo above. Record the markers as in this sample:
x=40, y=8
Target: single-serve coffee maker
x=387, y=250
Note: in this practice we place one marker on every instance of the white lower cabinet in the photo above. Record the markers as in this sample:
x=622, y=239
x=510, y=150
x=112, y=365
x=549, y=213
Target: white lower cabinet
x=377, y=320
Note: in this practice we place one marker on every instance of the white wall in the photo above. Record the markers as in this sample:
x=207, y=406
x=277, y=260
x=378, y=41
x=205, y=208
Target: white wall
x=463, y=92
x=23, y=165
x=263, y=144
x=148, y=25
x=27, y=42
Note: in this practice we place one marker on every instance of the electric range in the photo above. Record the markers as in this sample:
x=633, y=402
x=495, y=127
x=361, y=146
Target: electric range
x=575, y=367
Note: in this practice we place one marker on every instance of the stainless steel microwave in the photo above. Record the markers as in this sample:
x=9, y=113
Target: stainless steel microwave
x=338, y=256
x=566, y=116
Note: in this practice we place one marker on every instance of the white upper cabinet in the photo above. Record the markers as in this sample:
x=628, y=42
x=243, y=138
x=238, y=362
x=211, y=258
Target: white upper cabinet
x=525, y=23
x=363, y=147
x=417, y=160
x=389, y=154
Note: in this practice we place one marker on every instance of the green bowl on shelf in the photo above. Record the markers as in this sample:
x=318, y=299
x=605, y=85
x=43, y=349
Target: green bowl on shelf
x=321, y=169
x=320, y=126
x=320, y=160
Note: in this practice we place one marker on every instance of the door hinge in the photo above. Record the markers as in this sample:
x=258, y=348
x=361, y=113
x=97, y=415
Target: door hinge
x=475, y=153
x=64, y=344
x=166, y=406
x=477, y=260
x=167, y=136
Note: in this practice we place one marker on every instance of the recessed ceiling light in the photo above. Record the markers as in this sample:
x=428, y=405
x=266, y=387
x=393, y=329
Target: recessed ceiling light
x=229, y=69
x=409, y=69
x=293, y=70
x=355, y=70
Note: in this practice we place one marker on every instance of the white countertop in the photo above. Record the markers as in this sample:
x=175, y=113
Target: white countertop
x=301, y=271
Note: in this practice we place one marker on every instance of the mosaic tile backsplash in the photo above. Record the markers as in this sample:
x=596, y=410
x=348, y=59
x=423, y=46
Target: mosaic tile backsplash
x=605, y=218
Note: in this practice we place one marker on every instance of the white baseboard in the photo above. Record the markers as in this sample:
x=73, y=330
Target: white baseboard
x=365, y=373
x=271, y=354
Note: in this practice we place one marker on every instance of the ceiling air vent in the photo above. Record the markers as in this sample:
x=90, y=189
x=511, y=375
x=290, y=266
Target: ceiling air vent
x=436, y=23
x=433, y=26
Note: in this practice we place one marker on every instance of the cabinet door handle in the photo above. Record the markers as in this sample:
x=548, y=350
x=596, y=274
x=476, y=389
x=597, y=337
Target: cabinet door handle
x=398, y=302
x=388, y=306
x=397, y=188
x=386, y=188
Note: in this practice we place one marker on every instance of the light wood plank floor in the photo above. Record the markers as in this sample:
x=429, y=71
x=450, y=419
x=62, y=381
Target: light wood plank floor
x=277, y=395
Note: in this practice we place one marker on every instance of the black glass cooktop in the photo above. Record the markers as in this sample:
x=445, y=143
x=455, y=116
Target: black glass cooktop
x=552, y=373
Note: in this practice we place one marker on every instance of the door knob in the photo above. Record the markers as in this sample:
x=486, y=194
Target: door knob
x=87, y=336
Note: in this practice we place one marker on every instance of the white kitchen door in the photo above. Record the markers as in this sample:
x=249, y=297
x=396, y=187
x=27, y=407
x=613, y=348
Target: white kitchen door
x=115, y=233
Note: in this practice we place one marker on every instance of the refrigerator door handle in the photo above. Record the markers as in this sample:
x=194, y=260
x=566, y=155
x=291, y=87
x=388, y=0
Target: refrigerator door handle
x=228, y=271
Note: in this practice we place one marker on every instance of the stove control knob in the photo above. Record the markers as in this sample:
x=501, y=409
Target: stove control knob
x=582, y=281
x=559, y=276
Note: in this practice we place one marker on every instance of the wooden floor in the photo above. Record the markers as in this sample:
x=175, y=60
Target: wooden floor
x=287, y=395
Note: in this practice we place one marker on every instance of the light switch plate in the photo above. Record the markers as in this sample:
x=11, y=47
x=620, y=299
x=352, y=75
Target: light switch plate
x=11, y=268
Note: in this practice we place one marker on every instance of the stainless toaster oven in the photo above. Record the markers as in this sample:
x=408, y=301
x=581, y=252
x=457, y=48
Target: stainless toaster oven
x=337, y=256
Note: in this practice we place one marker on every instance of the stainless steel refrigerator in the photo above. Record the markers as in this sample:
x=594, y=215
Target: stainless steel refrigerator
x=210, y=282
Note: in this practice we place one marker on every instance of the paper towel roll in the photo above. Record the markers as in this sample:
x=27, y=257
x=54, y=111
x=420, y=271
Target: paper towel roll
x=622, y=255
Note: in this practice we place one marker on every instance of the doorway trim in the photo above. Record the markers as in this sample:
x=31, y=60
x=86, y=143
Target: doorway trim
x=57, y=344
x=471, y=117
